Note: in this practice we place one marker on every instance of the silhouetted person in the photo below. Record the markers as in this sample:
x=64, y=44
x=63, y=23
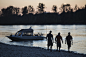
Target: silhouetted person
x=50, y=39
x=68, y=40
x=58, y=39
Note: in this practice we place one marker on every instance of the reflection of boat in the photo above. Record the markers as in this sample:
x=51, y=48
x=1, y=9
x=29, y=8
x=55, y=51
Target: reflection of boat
x=26, y=34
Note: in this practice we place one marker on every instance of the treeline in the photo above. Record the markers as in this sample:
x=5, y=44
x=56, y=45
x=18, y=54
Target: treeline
x=67, y=15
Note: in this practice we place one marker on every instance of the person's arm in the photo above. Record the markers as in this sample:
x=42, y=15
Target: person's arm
x=55, y=39
x=62, y=40
x=52, y=39
x=46, y=37
x=65, y=40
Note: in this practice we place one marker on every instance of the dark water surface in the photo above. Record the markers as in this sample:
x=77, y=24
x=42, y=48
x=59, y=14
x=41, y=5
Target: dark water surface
x=78, y=33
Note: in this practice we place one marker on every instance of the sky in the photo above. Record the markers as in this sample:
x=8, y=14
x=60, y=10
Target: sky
x=34, y=3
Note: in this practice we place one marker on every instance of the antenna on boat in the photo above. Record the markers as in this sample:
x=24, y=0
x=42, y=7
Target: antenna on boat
x=30, y=27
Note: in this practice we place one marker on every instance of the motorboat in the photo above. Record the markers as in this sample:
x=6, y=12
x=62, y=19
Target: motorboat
x=26, y=34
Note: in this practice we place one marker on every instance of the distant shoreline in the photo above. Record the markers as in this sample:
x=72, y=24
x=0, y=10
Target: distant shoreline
x=7, y=50
x=65, y=18
x=42, y=24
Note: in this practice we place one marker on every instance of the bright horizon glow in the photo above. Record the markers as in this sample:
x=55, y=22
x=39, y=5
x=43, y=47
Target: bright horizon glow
x=34, y=3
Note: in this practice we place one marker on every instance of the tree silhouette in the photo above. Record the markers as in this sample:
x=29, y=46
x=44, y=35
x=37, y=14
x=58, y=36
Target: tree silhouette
x=24, y=10
x=10, y=15
x=3, y=12
x=54, y=8
x=30, y=9
x=0, y=13
x=85, y=7
x=41, y=7
x=62, y=8
x=66, y=7
x=16, y=10
x=8, y=11
x=76, y=8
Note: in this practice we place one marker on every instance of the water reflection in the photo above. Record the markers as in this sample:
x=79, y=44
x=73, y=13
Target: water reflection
x=23, y=43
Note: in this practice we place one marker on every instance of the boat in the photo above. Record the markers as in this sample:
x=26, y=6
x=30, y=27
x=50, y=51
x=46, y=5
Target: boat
x=26, y=34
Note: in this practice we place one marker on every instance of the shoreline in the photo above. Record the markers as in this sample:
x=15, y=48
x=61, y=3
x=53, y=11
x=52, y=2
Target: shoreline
x=43, y=24
x=7, y=50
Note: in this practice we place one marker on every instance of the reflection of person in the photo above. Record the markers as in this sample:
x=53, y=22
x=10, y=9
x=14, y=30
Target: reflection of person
x=68, y=40
x=58, y=39
x=50, y=39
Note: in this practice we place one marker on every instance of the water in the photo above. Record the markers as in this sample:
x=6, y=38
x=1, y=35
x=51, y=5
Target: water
x=78, y=33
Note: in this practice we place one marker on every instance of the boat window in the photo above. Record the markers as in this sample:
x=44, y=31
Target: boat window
x=19, y=34
x=16, y=34
x=27, y=34
x=24, y=34
x=36, y=34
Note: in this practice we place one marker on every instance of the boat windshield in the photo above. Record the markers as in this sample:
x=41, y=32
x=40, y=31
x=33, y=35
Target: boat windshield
x=18, y=33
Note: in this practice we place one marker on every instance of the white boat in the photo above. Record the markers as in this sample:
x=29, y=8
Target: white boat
x=26, y=34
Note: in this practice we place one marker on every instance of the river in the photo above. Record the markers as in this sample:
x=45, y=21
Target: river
x=78, y=33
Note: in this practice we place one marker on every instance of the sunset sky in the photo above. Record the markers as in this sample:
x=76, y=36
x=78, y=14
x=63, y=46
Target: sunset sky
x=34, y=3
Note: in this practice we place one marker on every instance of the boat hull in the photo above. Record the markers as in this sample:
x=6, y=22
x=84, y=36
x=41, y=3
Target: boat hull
x=25, y=38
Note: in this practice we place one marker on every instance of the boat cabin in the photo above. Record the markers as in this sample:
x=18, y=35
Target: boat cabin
x=25, y=32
